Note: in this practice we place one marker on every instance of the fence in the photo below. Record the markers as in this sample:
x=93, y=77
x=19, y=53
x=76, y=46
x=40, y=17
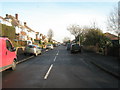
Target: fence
x=113, y=51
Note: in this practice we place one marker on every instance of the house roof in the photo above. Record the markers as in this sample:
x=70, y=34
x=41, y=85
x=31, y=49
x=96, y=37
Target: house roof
x=15, y=22
x=111, y=36
x=4, y=19
x=29, y=28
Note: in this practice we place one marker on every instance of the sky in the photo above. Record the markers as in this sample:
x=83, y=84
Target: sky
x=42, y=15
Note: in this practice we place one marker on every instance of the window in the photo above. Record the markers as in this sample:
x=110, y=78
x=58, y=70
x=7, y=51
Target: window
x=8, y=45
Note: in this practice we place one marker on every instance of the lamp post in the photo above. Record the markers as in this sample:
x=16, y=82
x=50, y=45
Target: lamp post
x=78, y=27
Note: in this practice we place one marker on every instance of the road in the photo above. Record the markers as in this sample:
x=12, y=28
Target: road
x=58, y=68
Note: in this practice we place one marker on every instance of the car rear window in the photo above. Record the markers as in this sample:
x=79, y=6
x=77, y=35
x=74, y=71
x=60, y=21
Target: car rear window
x=30, y=46
x=49, y=45
x=77, y=45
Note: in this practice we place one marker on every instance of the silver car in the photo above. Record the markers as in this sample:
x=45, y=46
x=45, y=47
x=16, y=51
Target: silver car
x=32, y=49
x=49, y=46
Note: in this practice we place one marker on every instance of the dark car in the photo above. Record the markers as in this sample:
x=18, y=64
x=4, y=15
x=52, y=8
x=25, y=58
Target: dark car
x=55, y=45
x=68, y=46
x=75, y=48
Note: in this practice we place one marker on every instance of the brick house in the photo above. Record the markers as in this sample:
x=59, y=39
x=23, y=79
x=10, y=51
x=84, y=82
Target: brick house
x=112, y=37
x=115, y=50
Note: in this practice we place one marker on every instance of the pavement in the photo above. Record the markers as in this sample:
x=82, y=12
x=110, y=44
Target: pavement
x=108, y=64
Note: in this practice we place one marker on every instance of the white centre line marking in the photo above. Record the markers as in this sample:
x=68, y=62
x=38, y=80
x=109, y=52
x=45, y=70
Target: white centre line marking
x=55, y=58
x=48, y=72
x=84, y=61
x=57, y=53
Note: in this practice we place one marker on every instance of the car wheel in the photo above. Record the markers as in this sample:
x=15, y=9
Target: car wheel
x=36, y=54
x=79, y=51
x=13, y=65
x=25, y=54
x=40, y=53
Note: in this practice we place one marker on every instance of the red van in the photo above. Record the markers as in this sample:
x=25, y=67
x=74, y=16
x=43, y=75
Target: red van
x=7, y=54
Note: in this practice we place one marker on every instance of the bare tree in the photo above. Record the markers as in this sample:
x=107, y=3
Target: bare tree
x=94, y=25
x=74, y=29
x=66, y=39
x=114, y=20
x=50, y=35
x=78, y=32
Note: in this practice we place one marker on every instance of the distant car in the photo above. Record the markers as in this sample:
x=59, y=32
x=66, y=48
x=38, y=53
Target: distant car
x=64, y=44
x=32, y=49
x=8, y=56
x=68, y=46
x=49, y=46
x=59, y=44
x=75, y=48
x=55, y=45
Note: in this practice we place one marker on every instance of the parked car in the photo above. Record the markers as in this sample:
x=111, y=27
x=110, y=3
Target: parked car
x=75, y=48
x=49, y=46
x=33, y=49
x=64, y=44
x=68, y=46
x=8, y=56
x=55, y=45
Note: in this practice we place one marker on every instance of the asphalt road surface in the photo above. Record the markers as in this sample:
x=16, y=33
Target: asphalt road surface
x=58, y=68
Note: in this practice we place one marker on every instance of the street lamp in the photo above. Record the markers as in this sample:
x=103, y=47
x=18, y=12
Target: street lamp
x=78, y=34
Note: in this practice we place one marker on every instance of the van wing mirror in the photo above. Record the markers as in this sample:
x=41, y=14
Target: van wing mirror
x=13, y=49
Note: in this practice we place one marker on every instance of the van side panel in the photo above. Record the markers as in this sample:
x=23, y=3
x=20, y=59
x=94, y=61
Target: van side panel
x=0, y=53
x=6, y=56
x=3, y=54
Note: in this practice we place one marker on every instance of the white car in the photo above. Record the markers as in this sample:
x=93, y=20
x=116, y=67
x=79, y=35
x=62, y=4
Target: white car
x=49, y=46
x=32, y=49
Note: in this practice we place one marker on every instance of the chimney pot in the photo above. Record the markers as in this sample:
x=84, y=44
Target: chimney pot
x=6, y=16
x=16, y=16
x=24, y=23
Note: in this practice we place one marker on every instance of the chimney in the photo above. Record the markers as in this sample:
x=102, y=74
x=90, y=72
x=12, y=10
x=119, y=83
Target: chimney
x=16, y=16
x=24, y=23
x=37, y=32
x=6, y=16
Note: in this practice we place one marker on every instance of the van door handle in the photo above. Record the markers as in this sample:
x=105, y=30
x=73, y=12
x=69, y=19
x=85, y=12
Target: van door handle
x=6, y=53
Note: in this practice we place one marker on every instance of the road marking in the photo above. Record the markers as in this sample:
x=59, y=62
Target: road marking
x=84, y=61
x=55, y=58
x=48, y=72
x=57, y=53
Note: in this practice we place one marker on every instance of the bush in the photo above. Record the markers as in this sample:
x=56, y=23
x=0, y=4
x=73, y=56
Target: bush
x=16, y=44
x=8, y=31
